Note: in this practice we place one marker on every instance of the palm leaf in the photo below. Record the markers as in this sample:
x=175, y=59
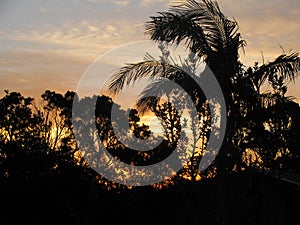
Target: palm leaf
x=135, y=71
x=151, y=95
x=155, y=70
x=202, y=26
x=287, y=66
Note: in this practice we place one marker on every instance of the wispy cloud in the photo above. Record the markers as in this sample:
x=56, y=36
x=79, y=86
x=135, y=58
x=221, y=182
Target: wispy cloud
x=118, y=3
x=85, y=39
x=265, y=25
x=56, y=57
x=155, y=1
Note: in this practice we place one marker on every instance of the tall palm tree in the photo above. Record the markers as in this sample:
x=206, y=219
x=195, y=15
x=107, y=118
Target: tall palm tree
x=206, y=31
x=203, y=28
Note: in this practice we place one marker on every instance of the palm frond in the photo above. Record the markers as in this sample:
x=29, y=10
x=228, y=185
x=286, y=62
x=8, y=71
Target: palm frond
x=147, y=103
x=202, y=26
x=153, y=92
x=133, y=72
x=175, y=28
x=268, y=100
x=155, y=70
x=287, y=66
x=152, y=69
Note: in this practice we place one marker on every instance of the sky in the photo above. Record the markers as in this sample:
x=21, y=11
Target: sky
x=50, y=44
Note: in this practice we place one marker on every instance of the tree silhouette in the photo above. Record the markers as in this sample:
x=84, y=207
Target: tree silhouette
x=104, y=125
x=22, y=147
x=206, y=31
x=37, y=163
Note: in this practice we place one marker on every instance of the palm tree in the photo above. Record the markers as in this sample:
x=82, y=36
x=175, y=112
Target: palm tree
x=206, y=31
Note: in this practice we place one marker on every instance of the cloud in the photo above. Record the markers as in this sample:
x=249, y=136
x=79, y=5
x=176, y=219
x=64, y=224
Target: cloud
x=119, y=3
x=265, y=25
x=56, y=57
x=161, y=3
x=155, y=1
x=85, y=39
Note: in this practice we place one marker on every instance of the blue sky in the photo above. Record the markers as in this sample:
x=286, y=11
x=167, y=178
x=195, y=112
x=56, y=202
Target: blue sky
x=49, y=44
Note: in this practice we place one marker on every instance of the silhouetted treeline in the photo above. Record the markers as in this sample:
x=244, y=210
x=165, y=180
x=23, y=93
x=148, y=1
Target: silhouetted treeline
x=37, y=138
